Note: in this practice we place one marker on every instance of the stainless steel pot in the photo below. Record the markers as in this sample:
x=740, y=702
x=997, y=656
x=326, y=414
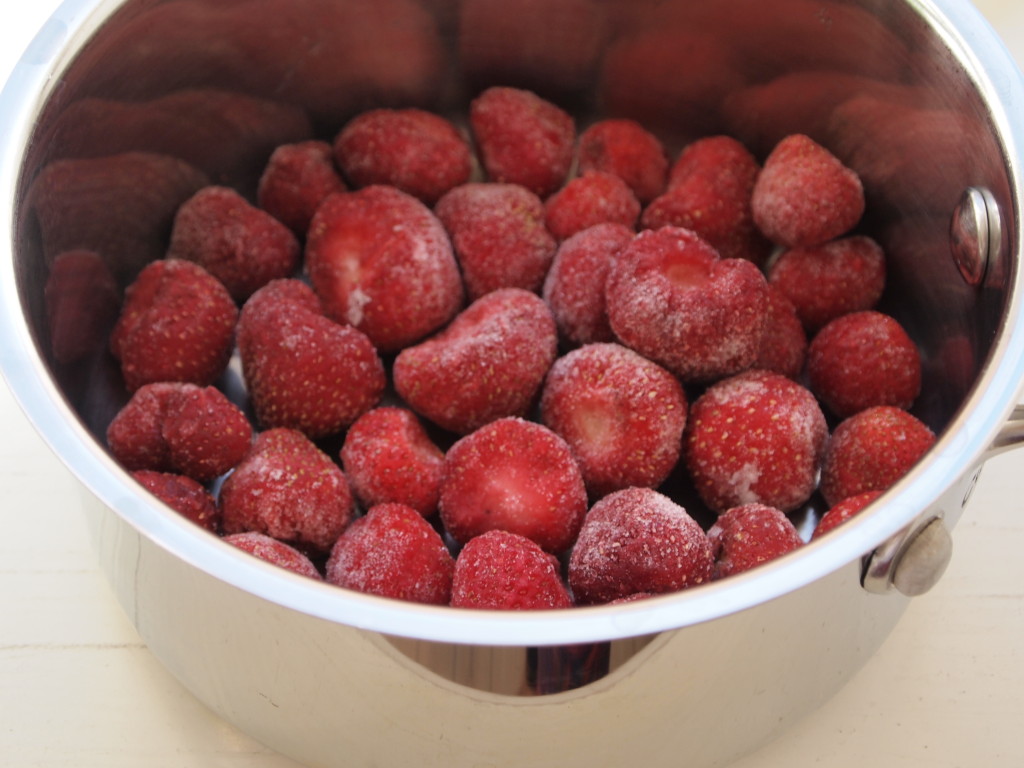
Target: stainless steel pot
x=120, y=109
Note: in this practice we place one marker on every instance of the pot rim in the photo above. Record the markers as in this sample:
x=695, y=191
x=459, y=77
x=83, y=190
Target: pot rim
x=959, y=450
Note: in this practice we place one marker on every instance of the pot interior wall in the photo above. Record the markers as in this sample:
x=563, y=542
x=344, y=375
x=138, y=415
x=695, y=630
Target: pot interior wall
x=169, y=96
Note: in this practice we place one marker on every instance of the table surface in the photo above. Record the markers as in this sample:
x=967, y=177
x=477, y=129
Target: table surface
x=79, y=688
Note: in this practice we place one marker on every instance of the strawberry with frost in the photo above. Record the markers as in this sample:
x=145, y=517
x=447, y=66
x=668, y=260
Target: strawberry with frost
x=504, y=571
x=303, y=370
x=288, y=489
x=513, y=475
x=488, y=364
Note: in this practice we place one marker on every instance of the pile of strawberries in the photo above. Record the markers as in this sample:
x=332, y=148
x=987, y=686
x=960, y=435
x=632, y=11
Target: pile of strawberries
x=472, y=359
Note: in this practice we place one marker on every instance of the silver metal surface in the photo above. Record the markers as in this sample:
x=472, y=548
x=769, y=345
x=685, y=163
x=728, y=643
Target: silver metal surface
x=975, y=231
x=924, y=560
x=912, y=561
x=914, y=95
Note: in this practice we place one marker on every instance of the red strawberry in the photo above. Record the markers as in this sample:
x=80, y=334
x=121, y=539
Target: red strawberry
x=593, y=198
x=288, y=489
x=177, y=324
x=871, y=450
x=136, y=433
x=804, y=195
x=241, y=245
x=206, y=433
x=748, y=535
x=296, y=180
x=861, y=360
x=393, y=552
x=499, y=236
x=709, y=191
x=826, y=281
x=522, y=138
x=672, y=299
x=622, y=415
x=303, y=370
x=626, y=149
x=388, y=457
x=273, y=551
x=489, y=363
x=843, y=511
x=416, y=151
x=181, y=428
x=380, y=261
x=504, y=571
x=513, y=475
x=637, y=540
x=182, y=494
x=755, y=437
x=784, y=344
x=574, y=286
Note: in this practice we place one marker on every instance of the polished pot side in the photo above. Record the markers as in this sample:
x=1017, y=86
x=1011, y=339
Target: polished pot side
x=131, y=116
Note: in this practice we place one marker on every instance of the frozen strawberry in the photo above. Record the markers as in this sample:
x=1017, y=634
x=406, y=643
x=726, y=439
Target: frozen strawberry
x=826, y=281
x=236, y=242
x=709, y=191
x=622, y=415
x=804, y=195
x=288, y=489
x=181, y=428
x=135, y=435
x=628, y=150
x=843, y=511
x=513, y=475
x=499, y=236
x=504, y=571
x=206, y=434
x=489, y=363
x=522, y=138
x=182, y=494
x=755, y=437
x=292, y=295
x=871, y=450
x=861, y=360
x=273, y=551
x=393, y=552
x=574, y=286
x=303, y=370
x=672, y=299
x=637, y=540
x=296, y=180
x=784, y=344
x=380, y=261
x=416, y=151
x=389, y=457
x=748, y=535
x=595, y=197
x=82, y=302
x=177, y=323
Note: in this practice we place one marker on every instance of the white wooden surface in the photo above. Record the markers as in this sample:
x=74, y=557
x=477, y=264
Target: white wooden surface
x=79, y=689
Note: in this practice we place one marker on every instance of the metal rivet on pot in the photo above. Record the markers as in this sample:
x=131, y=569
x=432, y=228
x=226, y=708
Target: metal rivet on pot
x=924, y=560
x=912, y=561
x=975, y=233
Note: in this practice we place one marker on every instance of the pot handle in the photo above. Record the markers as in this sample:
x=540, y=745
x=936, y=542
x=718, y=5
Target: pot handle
x=1011, y=435
x=914, y=559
